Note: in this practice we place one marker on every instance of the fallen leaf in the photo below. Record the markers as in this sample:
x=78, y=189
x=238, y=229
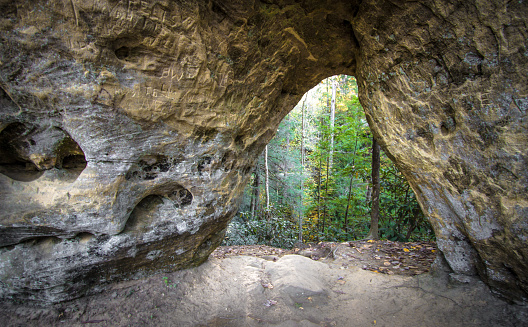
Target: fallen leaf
x=386, y=263
x=405, y=250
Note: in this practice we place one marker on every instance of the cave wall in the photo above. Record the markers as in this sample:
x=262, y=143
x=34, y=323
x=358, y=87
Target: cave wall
x=129, y=129
x=444, y=87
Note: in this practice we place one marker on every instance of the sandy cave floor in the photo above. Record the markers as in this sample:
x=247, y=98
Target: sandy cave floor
x=356, y=283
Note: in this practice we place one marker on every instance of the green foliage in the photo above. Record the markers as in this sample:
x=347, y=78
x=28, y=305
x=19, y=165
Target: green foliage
x=331, y=193
x=402, y=218
x=275, y=230
x=168, y=283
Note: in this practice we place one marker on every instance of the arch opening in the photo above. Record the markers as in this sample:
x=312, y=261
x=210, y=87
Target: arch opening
x=317, y=178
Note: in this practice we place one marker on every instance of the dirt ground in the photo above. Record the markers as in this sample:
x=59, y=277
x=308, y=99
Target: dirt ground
x=349, y=284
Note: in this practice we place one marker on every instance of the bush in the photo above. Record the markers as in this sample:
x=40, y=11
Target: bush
x=267, y=228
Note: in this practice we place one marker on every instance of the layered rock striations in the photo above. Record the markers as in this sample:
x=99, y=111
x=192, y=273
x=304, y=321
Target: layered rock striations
x=128, y=129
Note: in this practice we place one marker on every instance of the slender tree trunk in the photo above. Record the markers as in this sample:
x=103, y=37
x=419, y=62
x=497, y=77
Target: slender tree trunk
x=412, y=226
x=267, y=182
x=325, y=212
x=374, y=212
x=255, y=195
x=350, y=185
x=302, y=173
x=319, y=193
x=332, y=122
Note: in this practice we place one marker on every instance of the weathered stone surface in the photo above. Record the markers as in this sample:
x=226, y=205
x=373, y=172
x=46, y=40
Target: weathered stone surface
x=444, y=87
x=128, y=128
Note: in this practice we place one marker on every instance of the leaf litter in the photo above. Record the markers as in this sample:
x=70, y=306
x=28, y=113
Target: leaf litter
x=386, y=257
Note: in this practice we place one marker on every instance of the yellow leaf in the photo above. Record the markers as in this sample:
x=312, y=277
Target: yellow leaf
x=370, y=241
x=405, y=250
x=433, y=250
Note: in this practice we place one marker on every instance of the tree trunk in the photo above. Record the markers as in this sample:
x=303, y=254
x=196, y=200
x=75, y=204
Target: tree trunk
x=255, y=194
x=350, y=185
x=267, y=182
x=302, y=172
x=325, y=211
x=374, y=212
x=332, y=122
x=412, y=226
x=319, y=193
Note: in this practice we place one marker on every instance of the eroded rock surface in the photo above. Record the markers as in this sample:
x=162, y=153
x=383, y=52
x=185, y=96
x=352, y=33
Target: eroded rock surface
x=129, y=129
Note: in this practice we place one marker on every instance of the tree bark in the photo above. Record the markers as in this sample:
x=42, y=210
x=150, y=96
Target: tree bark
x=300, y=238
x=325, y=211
x=374, y=212
x=332, y=121
x=350, y=185
x=319, y=193
x=267, y=182
x=255, y=194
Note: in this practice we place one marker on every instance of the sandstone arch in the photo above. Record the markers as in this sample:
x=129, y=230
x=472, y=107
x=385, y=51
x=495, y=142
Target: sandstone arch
x=194, y=90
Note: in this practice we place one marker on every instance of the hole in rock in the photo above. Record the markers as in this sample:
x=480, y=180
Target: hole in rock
x=129, y=53
x=202, y=163
x=84, y=237
x=149, y=167
x=74, y=162
x=448, y=126
x=27, y=151
x=181, y=197
x=143, y=214
x=150, y=207
x=14, y=164
x=122, y=53
x=317, y=178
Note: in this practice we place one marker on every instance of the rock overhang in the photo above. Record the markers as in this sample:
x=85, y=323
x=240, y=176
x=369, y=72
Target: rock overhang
x=171, y=103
